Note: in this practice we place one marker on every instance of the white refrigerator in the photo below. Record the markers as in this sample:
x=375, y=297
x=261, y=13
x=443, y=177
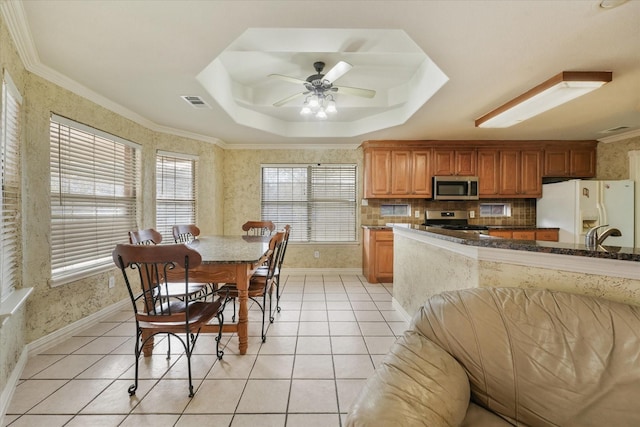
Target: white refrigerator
x=577, y=205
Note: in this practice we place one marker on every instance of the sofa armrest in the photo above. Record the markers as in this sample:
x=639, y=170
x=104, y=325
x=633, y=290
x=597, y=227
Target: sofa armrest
x=417, y=384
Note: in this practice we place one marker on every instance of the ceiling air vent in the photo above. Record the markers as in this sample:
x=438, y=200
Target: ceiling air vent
x=615, y=129
x=195, y=101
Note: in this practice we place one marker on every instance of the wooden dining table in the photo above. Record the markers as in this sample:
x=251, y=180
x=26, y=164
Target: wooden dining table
x=230, y=259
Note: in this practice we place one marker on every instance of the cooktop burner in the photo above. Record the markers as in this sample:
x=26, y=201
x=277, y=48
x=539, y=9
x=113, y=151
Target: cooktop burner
x=451, y=220
x=463, y=227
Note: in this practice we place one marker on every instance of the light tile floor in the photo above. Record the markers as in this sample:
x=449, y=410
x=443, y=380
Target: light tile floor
x=331, y=333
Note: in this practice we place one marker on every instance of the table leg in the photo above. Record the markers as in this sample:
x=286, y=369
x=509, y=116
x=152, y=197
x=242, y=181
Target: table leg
x=242, y=282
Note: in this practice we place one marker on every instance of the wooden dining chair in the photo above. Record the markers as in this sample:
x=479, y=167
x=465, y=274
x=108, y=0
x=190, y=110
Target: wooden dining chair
x=184, y=233
x=264, y=270
x=147, y=236
x=258, y=228
x=145, y=269
x=261, y=285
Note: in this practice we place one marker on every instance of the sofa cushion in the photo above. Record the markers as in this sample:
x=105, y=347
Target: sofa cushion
x=417, y=384
x=540, y=357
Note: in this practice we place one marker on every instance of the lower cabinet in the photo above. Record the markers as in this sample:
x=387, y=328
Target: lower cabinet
x=377, y=255
x=550, y=235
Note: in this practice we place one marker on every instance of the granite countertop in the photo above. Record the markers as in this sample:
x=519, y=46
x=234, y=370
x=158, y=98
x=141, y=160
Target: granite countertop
x=519, y=227
x=483, y=240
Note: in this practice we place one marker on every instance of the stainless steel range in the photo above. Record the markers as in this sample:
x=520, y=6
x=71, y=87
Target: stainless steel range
x=451, y=220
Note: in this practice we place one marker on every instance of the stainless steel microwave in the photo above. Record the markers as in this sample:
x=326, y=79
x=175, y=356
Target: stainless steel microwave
x=455, y=188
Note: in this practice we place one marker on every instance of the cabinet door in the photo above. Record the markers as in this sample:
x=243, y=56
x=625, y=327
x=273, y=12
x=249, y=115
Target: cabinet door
x=583, y=163
x=400, y=172
x=378, y=173
x=509, y=172
x=465, y=162
x=548, y=235
x=520, y=173
x=488, y=172
x=524, y=235
x=556, y=162
x=531, y=174
x=421, y=171
x=384, y=260
x=501, y=233
x=443, y=162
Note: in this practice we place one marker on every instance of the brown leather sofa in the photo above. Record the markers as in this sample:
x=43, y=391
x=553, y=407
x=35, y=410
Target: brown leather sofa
x=509, y=356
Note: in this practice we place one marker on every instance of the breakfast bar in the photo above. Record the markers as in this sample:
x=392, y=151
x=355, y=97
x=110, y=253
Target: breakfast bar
x=430, y=260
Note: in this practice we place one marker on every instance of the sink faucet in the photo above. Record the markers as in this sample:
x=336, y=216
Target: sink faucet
x=592, y=240
x=608, y=232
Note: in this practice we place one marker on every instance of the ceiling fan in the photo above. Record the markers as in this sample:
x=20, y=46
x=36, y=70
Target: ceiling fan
x=321, y=84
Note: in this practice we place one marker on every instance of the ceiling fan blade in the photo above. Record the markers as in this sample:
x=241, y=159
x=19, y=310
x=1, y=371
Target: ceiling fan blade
x=288, y=79
x=365, y=93
x=338, y=70
x=287, y=99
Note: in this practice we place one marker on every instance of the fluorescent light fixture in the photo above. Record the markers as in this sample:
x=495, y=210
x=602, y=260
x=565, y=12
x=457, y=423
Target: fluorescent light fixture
x=557, y=90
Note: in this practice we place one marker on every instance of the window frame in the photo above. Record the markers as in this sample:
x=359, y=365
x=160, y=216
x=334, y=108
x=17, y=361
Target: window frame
x=10, y=175
x=165, y=227
x=110, y=200
x=323, y=204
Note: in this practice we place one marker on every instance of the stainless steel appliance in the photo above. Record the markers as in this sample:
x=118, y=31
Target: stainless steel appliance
x=455, y=188
x=452, y=220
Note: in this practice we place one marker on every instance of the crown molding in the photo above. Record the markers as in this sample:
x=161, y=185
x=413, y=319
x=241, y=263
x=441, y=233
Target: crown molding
x=15, y=17
x=620, y=136
x=292, y=146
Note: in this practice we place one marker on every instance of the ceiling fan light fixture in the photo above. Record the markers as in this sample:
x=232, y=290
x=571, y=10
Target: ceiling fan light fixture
x=321, y=114
x=331, y=107
x=557, y=90
x=305, y=110
x=313, y=102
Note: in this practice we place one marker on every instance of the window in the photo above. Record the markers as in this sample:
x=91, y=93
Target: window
x=318, y=201
x=10, y=195
x=94, y=185
x=175, y=191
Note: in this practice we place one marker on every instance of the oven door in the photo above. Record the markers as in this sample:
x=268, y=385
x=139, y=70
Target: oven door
x=455, y=188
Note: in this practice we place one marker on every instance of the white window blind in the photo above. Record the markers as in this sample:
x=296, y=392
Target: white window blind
x=175, y=191
x=318, y=201
x=94, y=185
x=10, y=226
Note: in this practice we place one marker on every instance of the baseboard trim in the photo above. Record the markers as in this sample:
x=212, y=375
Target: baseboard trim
x=70, y=330
x=12, y=383
x=303, y=271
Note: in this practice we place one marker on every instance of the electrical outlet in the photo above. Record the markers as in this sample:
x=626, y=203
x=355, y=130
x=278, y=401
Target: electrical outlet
x=365, y=202
x=112, y=281
x=316, y=254
x=417, y=214
x=472, y=214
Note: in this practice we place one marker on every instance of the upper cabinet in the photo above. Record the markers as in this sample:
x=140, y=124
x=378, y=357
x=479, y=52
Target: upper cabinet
x=505, y=169
x=571, y=160
x=520, y=173
x=461, y=162
x=397, y=173
x=488, y=172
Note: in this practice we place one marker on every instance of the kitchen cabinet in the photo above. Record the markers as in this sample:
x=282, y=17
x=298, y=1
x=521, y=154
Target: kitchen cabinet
x=397, y=173
x=506, y=169
x=377, y=168
x=377, y=255
x=545, y=234
x=461, y=162
x=520, y=173
x=570, y=162
x=524, y=235
x=488, y=172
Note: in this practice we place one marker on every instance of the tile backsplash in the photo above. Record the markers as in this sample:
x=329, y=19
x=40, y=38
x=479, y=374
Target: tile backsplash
x=523, y=211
